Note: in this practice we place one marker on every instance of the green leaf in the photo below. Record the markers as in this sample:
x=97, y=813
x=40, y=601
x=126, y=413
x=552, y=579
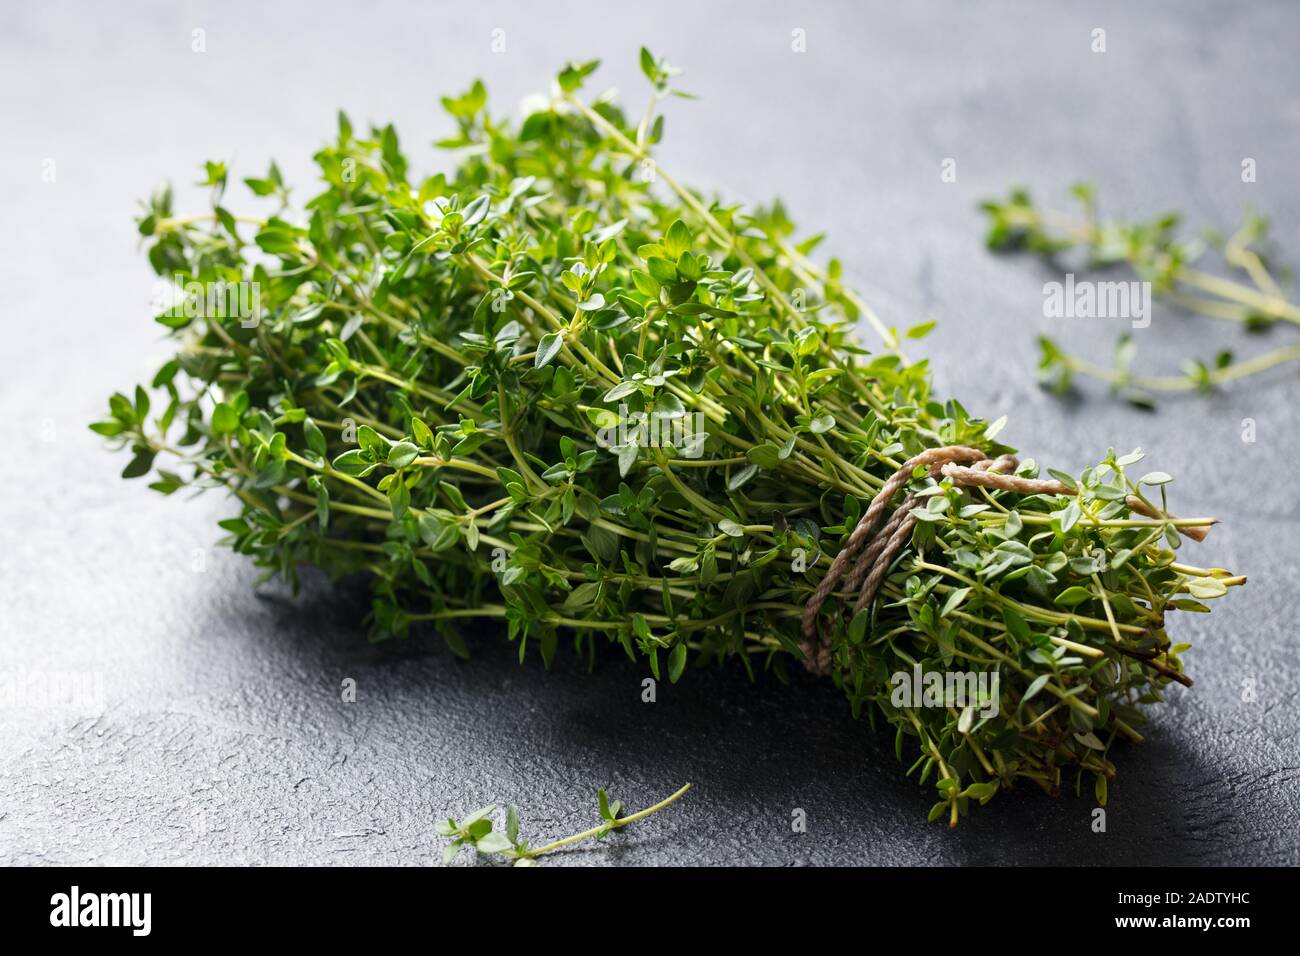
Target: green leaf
x=668, y=405
x=352, y=462
x=1064, y=478
x=402, y=453
x=621, y=390
x=676, y=661
x=548, y=348
x=322, y=503
x=1206, y=588
x=766, y=455
x=399, y=497
x=953, y=601
x=372, y=442
x=646, y=284
x=1075, y=595
x=662, y=270
x=139, y=465
x=1037, y=684
x=439, y=535
x=224, y=419
x=108, y=429
x=677, y=239
x=648, y=66
x=1069, y=516
x=995, y=428
x=740, y=476
x=421, y=433
x=571, y=77
x=312, y=434
x=494, y=842
x=1016, y=625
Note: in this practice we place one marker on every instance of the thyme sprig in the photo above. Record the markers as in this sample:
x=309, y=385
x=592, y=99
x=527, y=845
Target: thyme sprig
x=464, y=386
x=477, y=830
x=1155, y=252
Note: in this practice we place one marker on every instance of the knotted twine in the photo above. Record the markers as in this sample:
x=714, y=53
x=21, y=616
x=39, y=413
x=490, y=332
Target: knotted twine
x=968, y=467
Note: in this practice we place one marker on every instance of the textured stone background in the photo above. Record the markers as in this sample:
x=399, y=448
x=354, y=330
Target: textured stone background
x=220, y=737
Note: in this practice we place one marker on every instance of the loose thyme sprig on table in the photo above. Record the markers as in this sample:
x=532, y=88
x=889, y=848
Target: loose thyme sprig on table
x=461, y=385
x=476, y=830
x=1154, y=252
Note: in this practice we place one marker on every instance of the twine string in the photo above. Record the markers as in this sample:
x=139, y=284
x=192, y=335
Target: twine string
x=864, y=561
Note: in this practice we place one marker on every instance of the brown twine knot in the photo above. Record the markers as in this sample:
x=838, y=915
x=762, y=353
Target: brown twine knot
x=965, y=466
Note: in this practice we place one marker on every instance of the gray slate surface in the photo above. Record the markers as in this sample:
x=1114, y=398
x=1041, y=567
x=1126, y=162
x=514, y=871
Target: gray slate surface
x=219, y=736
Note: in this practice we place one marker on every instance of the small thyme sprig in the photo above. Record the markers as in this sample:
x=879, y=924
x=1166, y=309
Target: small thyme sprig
x=477, y=830
x=1153, y=251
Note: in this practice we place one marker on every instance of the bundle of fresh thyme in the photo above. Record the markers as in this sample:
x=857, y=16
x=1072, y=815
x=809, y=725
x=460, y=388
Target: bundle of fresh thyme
x=558, y=389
